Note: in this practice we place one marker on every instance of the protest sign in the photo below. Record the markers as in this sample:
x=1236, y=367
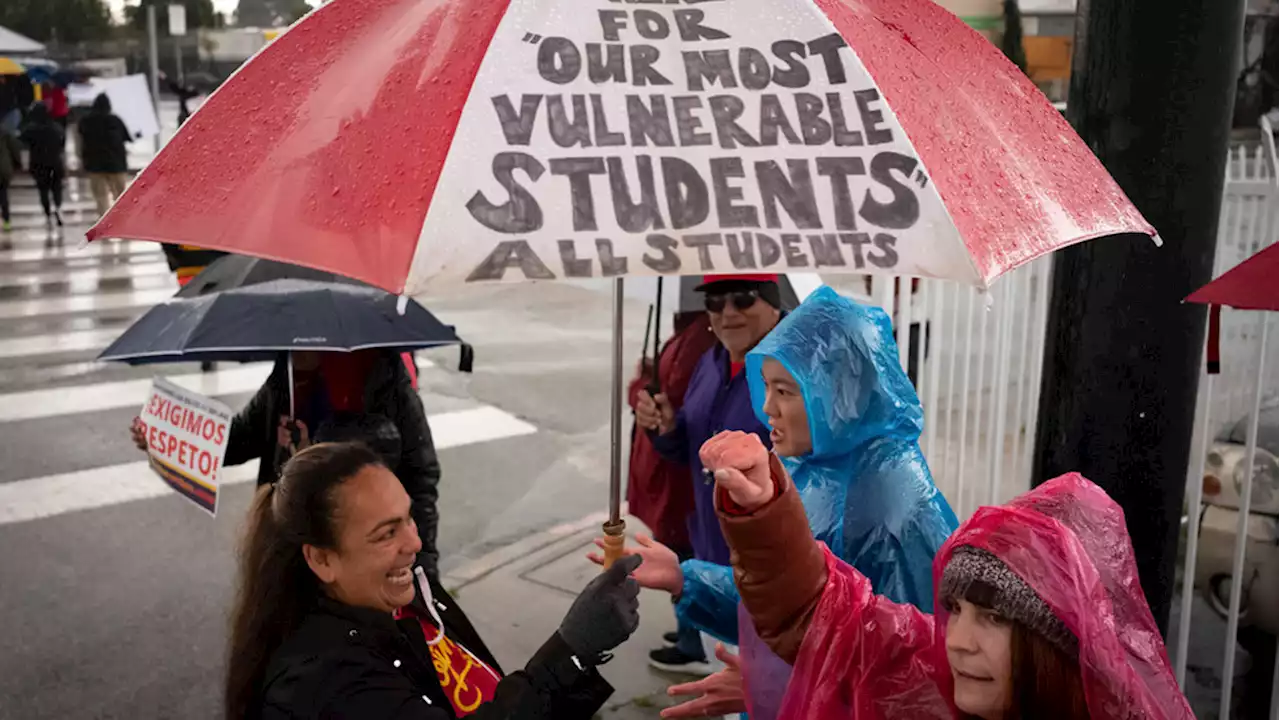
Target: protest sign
x=627, y=138
x=186, y=437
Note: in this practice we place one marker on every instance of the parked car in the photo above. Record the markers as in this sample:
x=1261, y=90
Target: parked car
x=1225, y=473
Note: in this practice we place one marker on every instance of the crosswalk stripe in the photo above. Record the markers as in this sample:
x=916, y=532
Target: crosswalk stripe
x=64, y=305
x=96, y=250
x=74, y=341
x=76, y=399
x=38, y=209
x=43, y=497
x=78, y=277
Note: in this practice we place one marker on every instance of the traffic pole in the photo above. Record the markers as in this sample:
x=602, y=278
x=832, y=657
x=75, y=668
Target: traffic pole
x=1152, y=88
x=177, y=54
x=153, y=54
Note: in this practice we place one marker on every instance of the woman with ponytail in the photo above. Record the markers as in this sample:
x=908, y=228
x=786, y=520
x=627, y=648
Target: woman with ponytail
x=334, y=617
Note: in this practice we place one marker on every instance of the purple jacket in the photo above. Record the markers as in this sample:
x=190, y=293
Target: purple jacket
x=714, y=402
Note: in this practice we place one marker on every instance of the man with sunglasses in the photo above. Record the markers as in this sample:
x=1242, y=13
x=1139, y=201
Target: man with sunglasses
x=742, y=310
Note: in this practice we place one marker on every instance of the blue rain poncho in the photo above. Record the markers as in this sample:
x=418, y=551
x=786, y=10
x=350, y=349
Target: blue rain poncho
x=865, y=484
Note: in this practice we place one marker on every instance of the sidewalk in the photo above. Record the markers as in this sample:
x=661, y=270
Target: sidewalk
x=517, y=595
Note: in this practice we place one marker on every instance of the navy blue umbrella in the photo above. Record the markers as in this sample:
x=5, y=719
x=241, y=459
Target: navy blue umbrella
x=259, y=322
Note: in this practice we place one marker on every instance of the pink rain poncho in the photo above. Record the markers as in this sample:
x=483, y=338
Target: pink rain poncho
x=865, y=657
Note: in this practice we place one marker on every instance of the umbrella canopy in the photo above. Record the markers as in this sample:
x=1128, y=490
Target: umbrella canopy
x=12, y=42
x=10, y=67
x=233, y=271
x=258, y=322
x=509, y=140
x=1252, y=285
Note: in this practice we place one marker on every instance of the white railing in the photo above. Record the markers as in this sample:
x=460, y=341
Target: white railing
x=1248, y=358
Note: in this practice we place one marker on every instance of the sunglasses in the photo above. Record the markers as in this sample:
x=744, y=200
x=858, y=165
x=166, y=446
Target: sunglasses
x=741, y=299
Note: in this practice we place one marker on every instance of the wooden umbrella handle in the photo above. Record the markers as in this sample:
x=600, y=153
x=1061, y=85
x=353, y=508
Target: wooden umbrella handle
x=614, y=540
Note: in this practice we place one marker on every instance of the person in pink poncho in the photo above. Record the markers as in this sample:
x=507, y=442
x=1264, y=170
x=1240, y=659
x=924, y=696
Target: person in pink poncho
x=1039, y=613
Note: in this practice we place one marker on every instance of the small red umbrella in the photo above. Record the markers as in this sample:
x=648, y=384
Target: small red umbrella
x=1252, y=285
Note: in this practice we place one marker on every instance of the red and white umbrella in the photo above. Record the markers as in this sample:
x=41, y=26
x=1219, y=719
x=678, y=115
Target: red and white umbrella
x=416, y=143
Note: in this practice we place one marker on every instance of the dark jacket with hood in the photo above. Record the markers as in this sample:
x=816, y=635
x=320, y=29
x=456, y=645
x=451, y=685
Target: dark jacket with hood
x=355, y=663
x=387, y=393
x=102, y=139
x=45, y=140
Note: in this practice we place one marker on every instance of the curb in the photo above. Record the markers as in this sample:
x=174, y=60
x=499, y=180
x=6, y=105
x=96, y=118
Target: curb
x=477, y=569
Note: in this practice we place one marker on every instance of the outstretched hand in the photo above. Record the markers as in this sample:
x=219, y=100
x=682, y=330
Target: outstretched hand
x=718, y=694
x=605, y=613
x=661, y=568
x=740, y=463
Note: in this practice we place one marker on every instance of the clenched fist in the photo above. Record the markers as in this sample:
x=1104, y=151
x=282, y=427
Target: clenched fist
x=740, y=463
x=655, y=413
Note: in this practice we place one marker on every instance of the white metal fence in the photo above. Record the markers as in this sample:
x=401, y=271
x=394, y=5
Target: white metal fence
x=1248, y=376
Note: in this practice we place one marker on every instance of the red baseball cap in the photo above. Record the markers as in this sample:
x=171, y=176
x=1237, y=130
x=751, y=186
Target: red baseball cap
x=759, y=278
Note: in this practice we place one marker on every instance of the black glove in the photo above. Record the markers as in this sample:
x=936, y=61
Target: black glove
x=605, y=613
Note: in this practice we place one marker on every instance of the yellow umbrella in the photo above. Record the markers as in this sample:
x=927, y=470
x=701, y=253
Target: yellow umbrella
x=9, y=67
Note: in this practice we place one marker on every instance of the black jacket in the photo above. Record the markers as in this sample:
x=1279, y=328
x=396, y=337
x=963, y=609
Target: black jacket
x=102, y=139
x=46, y=142
x=347, y=663
x=387, y=392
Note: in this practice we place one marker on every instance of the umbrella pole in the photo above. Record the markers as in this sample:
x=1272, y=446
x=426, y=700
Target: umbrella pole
x=288, y=359
x=615, y=526
x=655, y=386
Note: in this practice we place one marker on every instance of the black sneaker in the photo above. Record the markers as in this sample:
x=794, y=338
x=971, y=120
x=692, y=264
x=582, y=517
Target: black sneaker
x=671, y=638
x=671, y=660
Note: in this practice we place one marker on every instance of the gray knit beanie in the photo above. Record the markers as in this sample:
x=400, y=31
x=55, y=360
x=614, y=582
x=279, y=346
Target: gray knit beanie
x=1003, y=592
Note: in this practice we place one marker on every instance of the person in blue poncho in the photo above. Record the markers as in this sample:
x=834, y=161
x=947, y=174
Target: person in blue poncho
x=846, y=422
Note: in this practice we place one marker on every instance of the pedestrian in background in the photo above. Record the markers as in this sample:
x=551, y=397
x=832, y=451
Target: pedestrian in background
x=335, y=618
x=10, y=163
x=185, y=94
x=46, y=142
x=59, y=105
x=660, y=491
x=102, y=152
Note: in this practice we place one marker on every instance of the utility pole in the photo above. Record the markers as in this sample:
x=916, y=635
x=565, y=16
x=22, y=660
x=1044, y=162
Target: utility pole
x=1151, y=93
x=177, y=30
x=154, y=56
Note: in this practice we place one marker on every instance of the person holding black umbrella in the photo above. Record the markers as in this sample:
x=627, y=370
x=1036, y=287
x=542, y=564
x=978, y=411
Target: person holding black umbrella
x=334, y=396
x=337, y=376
